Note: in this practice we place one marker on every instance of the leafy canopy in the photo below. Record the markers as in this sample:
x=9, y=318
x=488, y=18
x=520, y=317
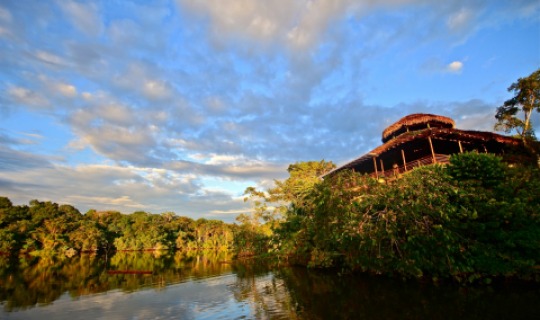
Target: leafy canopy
x=526, y=99
x=275, y=202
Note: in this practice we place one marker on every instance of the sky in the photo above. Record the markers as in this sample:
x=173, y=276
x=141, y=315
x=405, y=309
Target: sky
x=178, y=106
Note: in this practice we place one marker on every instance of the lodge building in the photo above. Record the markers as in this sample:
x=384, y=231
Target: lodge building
x=421, y=139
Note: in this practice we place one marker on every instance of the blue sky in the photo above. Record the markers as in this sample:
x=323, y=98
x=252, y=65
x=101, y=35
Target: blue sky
x=180, y=105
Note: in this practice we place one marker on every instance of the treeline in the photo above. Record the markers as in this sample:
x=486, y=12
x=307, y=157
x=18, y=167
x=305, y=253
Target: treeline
x=476, y=218
x=48, y=226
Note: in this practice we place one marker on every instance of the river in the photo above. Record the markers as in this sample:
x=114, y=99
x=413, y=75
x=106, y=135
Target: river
x=195, y=285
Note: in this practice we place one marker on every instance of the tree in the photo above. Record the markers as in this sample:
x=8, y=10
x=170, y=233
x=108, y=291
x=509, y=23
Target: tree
x=5, y=203
x=526, y=99
x=287, y=197
x=275, y=202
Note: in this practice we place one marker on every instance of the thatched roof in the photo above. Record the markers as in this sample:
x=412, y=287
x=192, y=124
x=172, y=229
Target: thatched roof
x=447, y=134
x=416, y=121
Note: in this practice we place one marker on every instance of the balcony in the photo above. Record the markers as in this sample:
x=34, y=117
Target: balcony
x=396, y=171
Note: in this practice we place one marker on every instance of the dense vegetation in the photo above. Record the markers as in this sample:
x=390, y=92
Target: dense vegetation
x=47, y=226
x=476, y=218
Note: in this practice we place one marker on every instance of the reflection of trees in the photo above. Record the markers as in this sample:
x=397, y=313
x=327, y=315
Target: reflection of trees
x=41, y=280
x=323, y=295
x=268, y=296
x=33, y=281
x=284, y=293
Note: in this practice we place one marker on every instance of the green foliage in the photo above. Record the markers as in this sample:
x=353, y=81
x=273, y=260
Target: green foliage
x=87, y=236
x=486, y=170
x=303, y=176
x=49, y=227
x=5, y=203
x=473, y=219
x=251, y=237
x=274, y=203
x=8, y=240
x=525, y=101
x=287, y=198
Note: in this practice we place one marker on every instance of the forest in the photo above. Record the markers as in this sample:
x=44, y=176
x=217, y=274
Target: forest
x=50, y=227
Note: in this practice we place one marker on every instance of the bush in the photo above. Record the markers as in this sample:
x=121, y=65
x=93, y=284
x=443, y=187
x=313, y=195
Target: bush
x=486, y=170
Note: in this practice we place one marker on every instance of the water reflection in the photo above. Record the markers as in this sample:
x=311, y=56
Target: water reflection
x=211, y=286
x=320, y=295
x=38, y=281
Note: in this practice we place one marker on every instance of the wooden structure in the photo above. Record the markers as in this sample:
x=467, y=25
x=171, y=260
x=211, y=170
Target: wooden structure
x=422, y=139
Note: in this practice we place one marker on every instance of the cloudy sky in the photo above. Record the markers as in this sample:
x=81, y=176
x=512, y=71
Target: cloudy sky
x=180, y=105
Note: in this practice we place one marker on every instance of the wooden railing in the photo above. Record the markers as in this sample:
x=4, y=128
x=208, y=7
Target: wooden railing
x=394, y=172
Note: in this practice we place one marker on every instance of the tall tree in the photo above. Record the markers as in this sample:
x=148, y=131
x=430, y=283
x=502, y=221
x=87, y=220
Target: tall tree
x=274, y=203
x=526, y=99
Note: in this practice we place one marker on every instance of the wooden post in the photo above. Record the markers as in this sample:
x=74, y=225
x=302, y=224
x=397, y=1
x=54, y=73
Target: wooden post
x=485, y=149
x=432, y=150
x=460, y=147
x=375, y=165
x=382, y=168
x=404, y=162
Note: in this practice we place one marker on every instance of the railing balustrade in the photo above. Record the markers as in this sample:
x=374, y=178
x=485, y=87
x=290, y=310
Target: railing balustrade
x=395, y=171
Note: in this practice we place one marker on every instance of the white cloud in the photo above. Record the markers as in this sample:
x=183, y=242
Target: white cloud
x=56, y=87
x=117, y=142
x=455, y=67
x=76, y=144
x=232, y=212
x=50, y=58
x=299, y=24
x=303, y=24
x=460, y=21
x=124, y=202
x=474, y=115
x=66, y=90
x=5, y=15
x=113, y=112
x=112, y=130
x=6, y=23
x=112, y=187
x=27, y=97
x=530, y=9
x=145, y=80
x=216, y=159
x=156, y=90
x=13, y=162
x=84, y=16
x=482, y=121
x=124, y=32
x=4, y=32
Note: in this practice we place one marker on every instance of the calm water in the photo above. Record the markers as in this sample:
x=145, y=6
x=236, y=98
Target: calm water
x=212, y=286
